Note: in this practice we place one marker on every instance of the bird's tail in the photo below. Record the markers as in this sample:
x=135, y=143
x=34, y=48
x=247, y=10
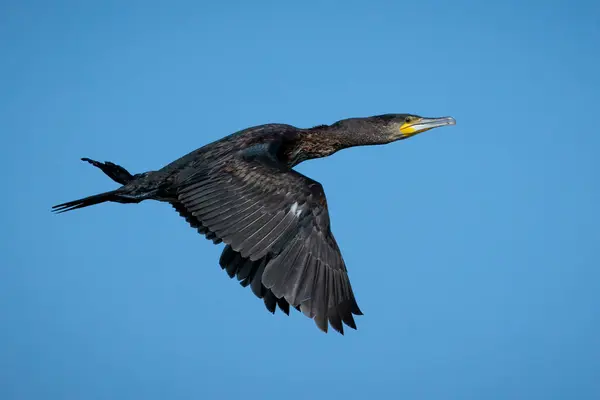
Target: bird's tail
x=128, y=193
x=113, y=195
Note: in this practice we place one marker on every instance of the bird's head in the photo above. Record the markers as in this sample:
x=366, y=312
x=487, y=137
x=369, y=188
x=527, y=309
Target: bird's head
x=385, y=128
x=402, y=126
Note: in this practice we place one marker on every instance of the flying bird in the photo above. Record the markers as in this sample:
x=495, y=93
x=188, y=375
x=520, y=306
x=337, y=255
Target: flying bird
x=242, y=190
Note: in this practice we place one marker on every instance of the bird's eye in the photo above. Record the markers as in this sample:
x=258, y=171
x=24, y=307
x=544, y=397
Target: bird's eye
x=407, y=119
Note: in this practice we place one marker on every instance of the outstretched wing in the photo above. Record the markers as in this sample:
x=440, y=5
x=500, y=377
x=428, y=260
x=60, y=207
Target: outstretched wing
x=275, y=223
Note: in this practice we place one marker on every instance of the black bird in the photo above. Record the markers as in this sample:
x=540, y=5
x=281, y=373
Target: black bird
x=242, y=190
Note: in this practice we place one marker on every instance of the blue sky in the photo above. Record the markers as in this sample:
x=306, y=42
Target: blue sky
x=473, y=250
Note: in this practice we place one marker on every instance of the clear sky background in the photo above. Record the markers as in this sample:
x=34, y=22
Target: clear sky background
x=473, y=250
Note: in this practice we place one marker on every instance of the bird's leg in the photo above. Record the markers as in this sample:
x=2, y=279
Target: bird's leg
x=114, y=171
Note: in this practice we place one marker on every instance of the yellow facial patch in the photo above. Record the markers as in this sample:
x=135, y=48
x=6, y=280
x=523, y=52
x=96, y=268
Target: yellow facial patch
x=406, y=129
x=410, y=128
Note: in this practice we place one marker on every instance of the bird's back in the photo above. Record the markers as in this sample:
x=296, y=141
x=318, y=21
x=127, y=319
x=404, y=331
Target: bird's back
x=230, y=145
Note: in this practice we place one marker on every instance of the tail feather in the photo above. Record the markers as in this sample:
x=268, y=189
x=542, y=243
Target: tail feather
x=86, y=201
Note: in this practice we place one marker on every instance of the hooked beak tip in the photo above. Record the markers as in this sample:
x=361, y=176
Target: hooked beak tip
x=435, y=122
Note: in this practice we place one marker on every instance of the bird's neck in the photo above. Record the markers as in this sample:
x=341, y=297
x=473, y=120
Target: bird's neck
x=325, y=140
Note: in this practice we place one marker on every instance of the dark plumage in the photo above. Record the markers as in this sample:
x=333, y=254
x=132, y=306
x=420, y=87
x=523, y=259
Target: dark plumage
x=242, y=190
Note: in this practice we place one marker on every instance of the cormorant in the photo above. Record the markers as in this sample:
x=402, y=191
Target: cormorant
x=242, y=190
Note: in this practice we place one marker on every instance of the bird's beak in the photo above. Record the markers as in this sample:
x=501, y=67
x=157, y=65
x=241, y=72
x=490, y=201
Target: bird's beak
x=419, y=125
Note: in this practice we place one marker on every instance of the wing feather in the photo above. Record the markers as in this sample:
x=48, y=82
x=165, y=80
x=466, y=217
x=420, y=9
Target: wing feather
x=275, y=224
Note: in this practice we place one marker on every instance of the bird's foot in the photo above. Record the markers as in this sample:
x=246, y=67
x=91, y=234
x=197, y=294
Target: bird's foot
x=112, y=170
